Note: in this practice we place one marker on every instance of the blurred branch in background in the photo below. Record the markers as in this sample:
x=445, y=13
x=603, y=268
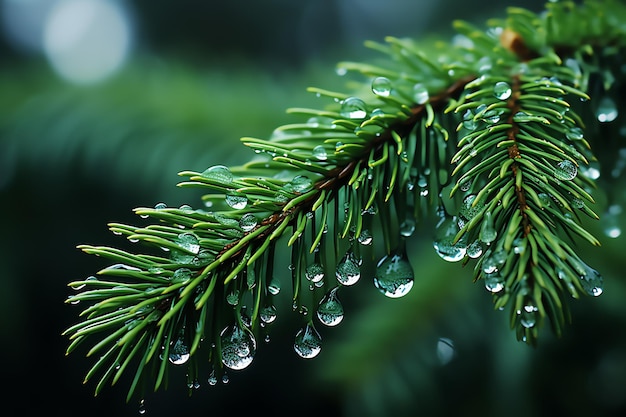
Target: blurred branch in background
x=82, y=145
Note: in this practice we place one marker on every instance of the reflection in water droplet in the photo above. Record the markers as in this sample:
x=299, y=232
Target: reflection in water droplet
x=237, y=202
x=348, y=271
x=300, y=184
x=179, y=354
x=353, y=108
x=268, y=314
x=445, y=350
x=565, y=171
x=320, y=153
x=488, y=232
x=502, y=90
x=394, y=274
x=238, y=347
x=219, y=173
x=381, y=86
x=274, y=286
x=308, y=342
x=528, y=315
x=248, y=222
x=591, y=280
x=444, y=244
x=494, y=282
x=330, y=310
x=420, y=93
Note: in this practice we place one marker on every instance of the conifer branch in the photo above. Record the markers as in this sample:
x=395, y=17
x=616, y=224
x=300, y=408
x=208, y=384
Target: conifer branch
x=485, y=134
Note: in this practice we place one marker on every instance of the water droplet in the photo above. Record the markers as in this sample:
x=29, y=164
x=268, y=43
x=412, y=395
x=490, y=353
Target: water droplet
x=445, y=350
x=444, y=243
x=610, y=220
x=300, y=184
x=238, y=347
x=468, y=121
x=394, y=274
x=232, y=298
x=381, y=86
x=407, y=227
x=348, y=271
x=142, y=407
x=528, y=315
x=274, y=286
x=219, y=173
x=320, y=153
x=502, y=90
x=607, y=110
x=160, y=206
x=308, y=342
x=212, y=380
x=330, y=310
x=475, y=249
x=365, y=238
x=314, y=272
x=575, y=133
x=268, y=314
x=181, y=275
x=237, y=202
x=248, y=222
x=179, y=353
x=591, y=280
x=420, y=93
x=488, y=232
x=353, y=108
x=519, y=245
x=565, y=171
x=494, y=282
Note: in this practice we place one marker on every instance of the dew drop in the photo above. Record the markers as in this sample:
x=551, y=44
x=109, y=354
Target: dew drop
x=565, y=171
x=160, y=206
x=381, y=86
x=420, y=93
x=237, y=202
x=314, y=272
x=365, y=238
x=444, y=244
x=528, y=315
x=488, y=232
x=248, y=222
x=348, y=271
x=238, y=347
x=274, y=286
x=575, y=133
x=308, y=342
x=300, y=184
x=320, y=153
x=394, y=274
x=475, y=249
x=353, y=108
x=219, y=173
x=445, y=350
x=179, y=353
x=591, y=281
x=502, y=90
x=330, y=310
x=268, y=314
x=494, y=282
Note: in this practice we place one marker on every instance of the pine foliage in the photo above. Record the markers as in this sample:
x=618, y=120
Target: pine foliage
x=494, y=134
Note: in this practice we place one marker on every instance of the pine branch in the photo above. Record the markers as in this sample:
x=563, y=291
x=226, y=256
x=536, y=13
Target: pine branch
x=489, y=133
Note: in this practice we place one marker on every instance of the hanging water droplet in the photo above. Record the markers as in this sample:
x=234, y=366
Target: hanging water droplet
x=232, y=298
x=381, y=86
x=320, y=153
x=407, y=227
x=212, y=380
x=268, y=314
x=591, y=281
x=348, y=271
x=494, y=282
x=314, y=272
x=330, y=310
x=468, y=209
x=528, y=315
x=142, y=407
x=308, y=342
x=445, y=350
x=502, y=90
x=274, y=286
x=468, y=121
x=475, y=249
x=565, y=171
x=219, y=173
x=353, y=108
x=519, y=245
x=444, y=244
x=611, y=223
x=488, y=232
x=394, y=274
x=237, y=202
x=238, y=347
x=179, y=353
x=420, y=93
x=248, y=222
x=365, y=238
x=607, y=110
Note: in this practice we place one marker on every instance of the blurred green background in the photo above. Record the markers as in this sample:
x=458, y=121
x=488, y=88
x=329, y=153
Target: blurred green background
x=103, y=102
